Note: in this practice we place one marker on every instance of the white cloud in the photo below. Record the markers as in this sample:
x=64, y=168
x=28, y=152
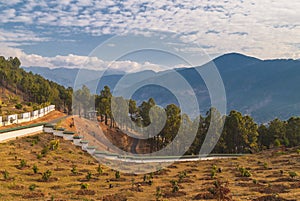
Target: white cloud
x=19, y=36
x=76, y=61
x=264, y=21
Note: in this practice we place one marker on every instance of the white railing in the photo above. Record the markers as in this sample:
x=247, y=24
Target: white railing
x=26, y=117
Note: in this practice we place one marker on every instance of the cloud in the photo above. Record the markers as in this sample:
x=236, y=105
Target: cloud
x=19, y=36
x=223, y=26
x=76, y=61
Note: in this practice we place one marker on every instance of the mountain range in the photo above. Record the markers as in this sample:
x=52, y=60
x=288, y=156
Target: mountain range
x=264, y=89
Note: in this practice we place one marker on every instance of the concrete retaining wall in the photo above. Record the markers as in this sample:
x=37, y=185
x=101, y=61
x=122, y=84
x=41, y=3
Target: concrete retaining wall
x=19, y=133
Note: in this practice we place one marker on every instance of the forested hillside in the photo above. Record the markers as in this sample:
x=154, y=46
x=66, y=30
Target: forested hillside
x=25, y=89
x=241, y=134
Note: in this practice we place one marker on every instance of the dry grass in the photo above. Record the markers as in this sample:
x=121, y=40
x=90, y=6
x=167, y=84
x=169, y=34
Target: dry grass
x=266, y=179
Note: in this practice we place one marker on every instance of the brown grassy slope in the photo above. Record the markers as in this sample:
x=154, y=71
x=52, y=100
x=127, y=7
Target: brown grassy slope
x=8, y=100
x=98, y=134
x=64, y=185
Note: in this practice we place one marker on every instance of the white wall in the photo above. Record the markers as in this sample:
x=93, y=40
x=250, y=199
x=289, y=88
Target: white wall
x=27, y=116
x=19, y=133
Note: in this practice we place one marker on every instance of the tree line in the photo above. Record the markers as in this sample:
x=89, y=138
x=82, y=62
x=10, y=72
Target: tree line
x=33, y=87
x=240, y=134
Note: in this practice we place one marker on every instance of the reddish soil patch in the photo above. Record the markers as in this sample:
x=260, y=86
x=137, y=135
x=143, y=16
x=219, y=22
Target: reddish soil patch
x=273, y=189
x=120, y=179
x=176, y=194
x=116, y=197
x=271, y=198
x=52, y=179
x=88, y=180
x=85, y=192
x=202, y=196
x=33, y=195
x=16, y=187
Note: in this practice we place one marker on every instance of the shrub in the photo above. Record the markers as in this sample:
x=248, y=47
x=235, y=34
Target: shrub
x=88, y=176
x=266, y=165
x=145, y=178
x=45, y=150
x=32, y=187
x=182, y=175
x=158, y=193
x=19, y=106
x=298, y=151
x=46, y=175
x=175, y=187
x=35, y=169
x=39, y=156
x=132, y=182
x=34, y=142
x=220, y=191
x=23, y=164
x=293, y=174
x=213, y=173
x=99, y=169
x=244, y=172
x=5, y=175
x=277, y=143
x=117, y=175
x=74, y=170
x=54, y=144
x=84, y=186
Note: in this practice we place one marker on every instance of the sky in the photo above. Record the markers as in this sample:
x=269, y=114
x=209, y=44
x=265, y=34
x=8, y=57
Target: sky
x=135, y=35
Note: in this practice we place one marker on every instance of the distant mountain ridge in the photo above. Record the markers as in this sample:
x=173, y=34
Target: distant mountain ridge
x=265, y=89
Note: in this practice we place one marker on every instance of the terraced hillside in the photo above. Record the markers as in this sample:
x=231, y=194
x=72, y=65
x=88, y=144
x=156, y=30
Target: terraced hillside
x=42, y=167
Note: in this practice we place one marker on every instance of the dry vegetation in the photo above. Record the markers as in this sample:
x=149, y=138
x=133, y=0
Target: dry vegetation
x=75, y=175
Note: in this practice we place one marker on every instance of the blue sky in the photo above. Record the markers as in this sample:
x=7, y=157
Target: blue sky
x=94, y=34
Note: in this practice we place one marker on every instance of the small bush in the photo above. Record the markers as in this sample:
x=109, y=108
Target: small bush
x=117, y=175
x=293, y=174
x=35, y=169
x=277, y=143
x=74, y=170
x=220, y=191
x=39, y=156
x=182, y=175
x=23, y=164
x=54, y=144
x=88, y=176
x=175, y=187
x=158, y=193
x=46, y=175
x=45, y=150
x=84, y=186
x=266, y=165
x=99, y=169
x=244, y=172
x=32, y=187
x=5, y=175
x=18, y=106
x=213, y=173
